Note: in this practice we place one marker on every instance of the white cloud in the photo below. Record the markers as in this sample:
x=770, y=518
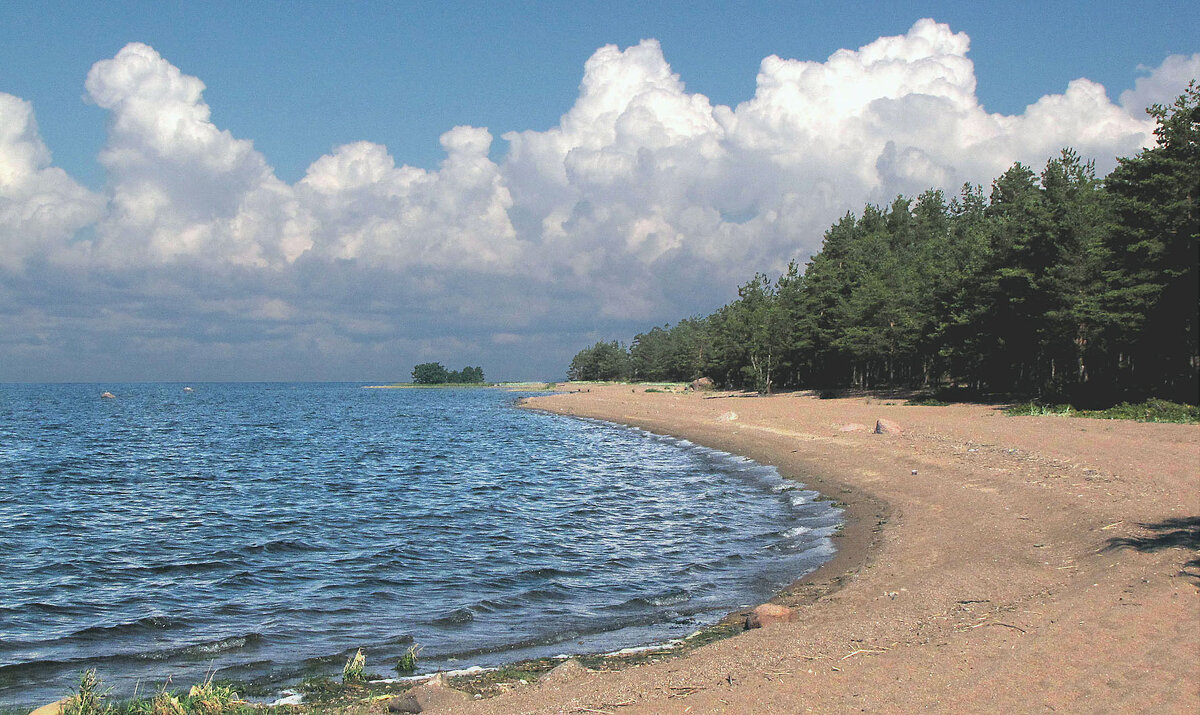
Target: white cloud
x=645, y=203
x=369, y=210
x=180, y=187
x=41, y=208
x=1162, y=84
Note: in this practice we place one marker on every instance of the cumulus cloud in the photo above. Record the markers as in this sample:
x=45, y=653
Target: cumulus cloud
x=1162, y=84
x=180, y=187
x=645, y=203
x=41, y=208
x=368, y=209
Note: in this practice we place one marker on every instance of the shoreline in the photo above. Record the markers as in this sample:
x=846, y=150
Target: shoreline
x=988, y=563
x=861, y=522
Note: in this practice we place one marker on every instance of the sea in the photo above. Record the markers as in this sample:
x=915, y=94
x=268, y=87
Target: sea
x=266, y=532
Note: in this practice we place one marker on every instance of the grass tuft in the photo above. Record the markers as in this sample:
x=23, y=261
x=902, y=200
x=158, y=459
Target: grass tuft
x=408, y=661
x=1037, y=409
x=353, y=670
x=88, y=698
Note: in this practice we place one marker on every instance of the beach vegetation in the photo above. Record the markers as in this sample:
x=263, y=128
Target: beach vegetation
x=88, y=697
x=1034, y=408
x=1148, y=411
x=1153, y=410
x=408, y=661
x=1054, y=286
x=207, y=698
x=353, y=671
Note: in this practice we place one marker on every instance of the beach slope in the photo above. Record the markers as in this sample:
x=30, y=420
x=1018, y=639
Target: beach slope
x=989, y=563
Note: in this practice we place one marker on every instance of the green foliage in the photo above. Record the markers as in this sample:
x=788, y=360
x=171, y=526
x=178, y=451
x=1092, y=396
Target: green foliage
x=433, y=373
x=429, y=373
x=927, y=401
x=1037, y=409
x=408, y=661
x=87, y=698
x=352, y=672
x=602, y=361
x=1151, y=301
x=1153, y=410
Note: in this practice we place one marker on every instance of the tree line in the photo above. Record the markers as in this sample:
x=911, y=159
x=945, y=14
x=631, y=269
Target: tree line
x=1053, y=285
x=432, y=373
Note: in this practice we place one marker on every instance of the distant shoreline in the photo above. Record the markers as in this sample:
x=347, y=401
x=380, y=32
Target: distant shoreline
x=531, y=386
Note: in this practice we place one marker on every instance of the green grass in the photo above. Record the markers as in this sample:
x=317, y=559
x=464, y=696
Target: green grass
x=1148, y=411
x=207, y=698
x=927, y=401
x=88, y=698
x=1037, y=409
x=1153, y=410
x=352, y=672
x=408, y=661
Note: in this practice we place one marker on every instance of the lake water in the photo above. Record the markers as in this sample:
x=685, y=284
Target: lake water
x=266, y=531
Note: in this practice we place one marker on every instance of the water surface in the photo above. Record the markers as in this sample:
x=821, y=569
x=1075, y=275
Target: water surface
x=266, y=531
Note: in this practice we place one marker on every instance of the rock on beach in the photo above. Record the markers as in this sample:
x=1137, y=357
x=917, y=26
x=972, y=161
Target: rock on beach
x=886, y=426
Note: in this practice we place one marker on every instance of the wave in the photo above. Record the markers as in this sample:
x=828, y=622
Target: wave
x=457, y=618
x=204, y=649
x=148, y=624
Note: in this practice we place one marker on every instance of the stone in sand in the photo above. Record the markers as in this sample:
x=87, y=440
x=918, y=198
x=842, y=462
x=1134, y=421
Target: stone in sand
x=433, y=694
x=728, y=417
x=703, y=383
x=405, y=703
x=771, y=613
x=564, y=671
x=886, y=426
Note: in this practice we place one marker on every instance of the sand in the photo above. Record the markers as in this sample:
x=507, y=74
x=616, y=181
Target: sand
x=990, y=563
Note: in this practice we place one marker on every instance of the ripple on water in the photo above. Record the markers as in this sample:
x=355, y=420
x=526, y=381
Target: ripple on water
x=260, y=530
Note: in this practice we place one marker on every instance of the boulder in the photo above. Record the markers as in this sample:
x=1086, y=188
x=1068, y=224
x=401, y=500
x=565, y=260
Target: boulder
x=404, y=703
x=703, y=384
x=771, y=613
x=885, y=426
x=567, y=670
x=108, y=395
x=434, y=694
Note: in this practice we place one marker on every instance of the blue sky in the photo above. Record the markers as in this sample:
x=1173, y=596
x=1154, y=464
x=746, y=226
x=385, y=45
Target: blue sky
x=210, y=255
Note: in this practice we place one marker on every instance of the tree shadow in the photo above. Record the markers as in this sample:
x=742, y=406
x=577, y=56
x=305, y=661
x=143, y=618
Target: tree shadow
x=1178, y=533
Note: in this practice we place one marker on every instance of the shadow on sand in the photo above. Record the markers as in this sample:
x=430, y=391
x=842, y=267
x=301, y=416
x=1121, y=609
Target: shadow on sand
x=1183, y=532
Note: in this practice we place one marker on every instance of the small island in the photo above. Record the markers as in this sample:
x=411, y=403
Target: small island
x=433, y=373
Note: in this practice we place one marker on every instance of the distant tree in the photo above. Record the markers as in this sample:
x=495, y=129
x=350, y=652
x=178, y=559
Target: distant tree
x=471, y=375
x=430, y=373
x=602, y=361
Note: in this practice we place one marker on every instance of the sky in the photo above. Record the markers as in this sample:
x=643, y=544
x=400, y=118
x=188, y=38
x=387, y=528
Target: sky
x=339, y=191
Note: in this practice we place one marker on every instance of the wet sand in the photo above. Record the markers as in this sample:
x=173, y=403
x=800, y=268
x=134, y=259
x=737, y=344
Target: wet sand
x=989, y=563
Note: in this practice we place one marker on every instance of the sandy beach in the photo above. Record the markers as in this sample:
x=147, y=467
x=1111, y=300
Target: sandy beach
x=989, y=563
